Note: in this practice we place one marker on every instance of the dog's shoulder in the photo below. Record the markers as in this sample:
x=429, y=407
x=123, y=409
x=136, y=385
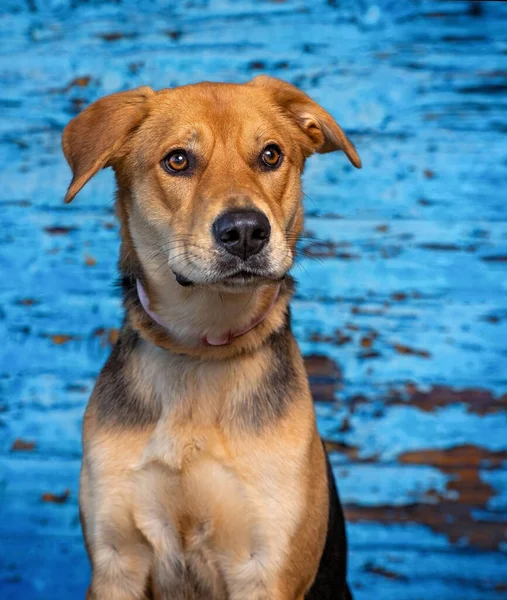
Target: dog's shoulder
x=116, y=399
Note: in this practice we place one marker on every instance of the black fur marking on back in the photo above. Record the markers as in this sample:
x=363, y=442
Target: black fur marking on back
x=115, y=401
x=331, y=583
x=270, y=400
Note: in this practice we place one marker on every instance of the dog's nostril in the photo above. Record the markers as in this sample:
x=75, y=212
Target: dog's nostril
x=242, y=233
x=260, y=234
x=230, y=235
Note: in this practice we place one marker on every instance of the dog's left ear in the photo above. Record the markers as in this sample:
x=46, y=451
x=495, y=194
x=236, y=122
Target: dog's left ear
x=324, y=133
x=92, y=140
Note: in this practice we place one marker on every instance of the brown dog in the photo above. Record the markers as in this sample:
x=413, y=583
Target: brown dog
x=203, y=474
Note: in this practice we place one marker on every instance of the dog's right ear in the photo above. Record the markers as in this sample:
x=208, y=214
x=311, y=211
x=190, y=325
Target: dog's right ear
x=322, y=131
x=93, y=139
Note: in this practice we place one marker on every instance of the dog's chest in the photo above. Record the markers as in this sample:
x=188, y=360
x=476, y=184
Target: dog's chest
x=219, y=501
x=226, y=513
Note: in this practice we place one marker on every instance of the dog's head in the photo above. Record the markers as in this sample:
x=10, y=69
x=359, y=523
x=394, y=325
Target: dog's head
x=209, y=174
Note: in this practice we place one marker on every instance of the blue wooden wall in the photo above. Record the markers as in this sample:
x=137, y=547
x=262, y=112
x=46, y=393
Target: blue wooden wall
x=401, y=307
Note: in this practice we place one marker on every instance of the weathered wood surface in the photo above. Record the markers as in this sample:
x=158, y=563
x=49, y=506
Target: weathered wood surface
x=401, y=307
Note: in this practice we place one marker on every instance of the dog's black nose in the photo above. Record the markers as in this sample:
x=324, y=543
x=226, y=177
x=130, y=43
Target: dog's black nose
x=242, y=233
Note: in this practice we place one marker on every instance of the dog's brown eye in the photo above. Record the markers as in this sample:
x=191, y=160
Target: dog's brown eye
x=176, y=161
x=272, y=156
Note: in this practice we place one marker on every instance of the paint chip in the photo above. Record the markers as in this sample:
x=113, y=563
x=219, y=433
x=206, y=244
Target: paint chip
x=56, y=498
x=22, y=445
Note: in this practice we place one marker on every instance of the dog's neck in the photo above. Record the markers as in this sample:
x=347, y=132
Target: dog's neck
x=200, y=322
x=212, y=330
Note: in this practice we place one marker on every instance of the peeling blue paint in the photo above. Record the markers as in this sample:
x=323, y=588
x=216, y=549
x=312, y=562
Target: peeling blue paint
x=401, y=303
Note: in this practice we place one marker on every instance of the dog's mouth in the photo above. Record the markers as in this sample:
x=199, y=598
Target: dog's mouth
x=245, y=279
x=226, y=273
x=239, y=278
x=243, y=275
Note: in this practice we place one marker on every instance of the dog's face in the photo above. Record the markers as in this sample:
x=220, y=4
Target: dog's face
x=212, y=173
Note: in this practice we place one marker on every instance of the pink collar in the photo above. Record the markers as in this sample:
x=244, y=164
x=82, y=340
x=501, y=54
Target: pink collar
x=207, y=340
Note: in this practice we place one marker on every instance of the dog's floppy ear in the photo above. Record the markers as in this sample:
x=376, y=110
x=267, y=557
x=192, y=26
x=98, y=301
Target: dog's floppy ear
x=323, y=131
x=92, y=139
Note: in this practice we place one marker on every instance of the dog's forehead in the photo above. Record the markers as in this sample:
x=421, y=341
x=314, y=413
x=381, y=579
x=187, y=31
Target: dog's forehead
x=214, y=99
x=235, y=108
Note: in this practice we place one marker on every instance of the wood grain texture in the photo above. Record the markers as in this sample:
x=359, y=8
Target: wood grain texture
x=401, y=304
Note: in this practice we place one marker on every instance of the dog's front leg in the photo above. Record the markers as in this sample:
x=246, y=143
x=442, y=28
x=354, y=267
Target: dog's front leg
x=251, y=580
x=120, y=555
x=121, y=569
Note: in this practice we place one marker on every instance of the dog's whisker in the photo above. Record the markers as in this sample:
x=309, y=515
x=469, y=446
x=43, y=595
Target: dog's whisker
x=169, y=249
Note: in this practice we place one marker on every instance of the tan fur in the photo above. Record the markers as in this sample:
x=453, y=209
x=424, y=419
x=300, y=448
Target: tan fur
x=197, y=484
x=162, y=476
